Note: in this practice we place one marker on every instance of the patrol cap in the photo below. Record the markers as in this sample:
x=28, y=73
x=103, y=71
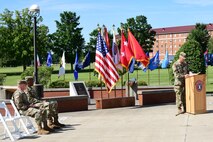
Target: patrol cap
x=22, y=82
x=28, y=78
x=183, y=55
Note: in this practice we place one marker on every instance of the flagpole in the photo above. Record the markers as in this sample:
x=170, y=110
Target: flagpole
x=89, y=72
x=122, y=93
x=101, y=88
x=148, y=78
x=168, y=74
x=158, y=76
x=128, y=84
x=137, y=73
x=115, y=91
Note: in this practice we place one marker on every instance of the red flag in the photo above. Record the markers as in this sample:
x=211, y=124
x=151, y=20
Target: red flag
x=104, y=64
x=126, y=53
x=137, y=50
x=106, y=38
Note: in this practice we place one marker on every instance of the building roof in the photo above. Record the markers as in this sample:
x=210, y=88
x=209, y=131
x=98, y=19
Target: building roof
x=179, y=29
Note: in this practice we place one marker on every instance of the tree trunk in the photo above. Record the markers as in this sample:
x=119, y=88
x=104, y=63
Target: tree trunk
x=24, y=67
x=71, y=67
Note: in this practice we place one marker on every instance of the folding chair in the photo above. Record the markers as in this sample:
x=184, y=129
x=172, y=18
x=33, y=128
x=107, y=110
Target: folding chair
x=25, y=121
x=13, y=134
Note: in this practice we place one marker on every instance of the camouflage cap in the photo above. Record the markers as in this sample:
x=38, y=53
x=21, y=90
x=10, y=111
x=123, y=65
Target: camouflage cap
x=27, y=78
x=22, y=82
x=183, y=55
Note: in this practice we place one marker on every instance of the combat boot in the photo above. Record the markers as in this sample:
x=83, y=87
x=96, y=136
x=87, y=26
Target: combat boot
x=46, y=127
x=179, y=111
x=42, y=131
x=52, y=125
x=56, y=122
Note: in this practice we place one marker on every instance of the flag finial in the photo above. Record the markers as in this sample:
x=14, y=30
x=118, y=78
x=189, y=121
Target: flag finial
x=99, y=29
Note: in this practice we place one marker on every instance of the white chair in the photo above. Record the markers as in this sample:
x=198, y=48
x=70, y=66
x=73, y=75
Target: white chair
x=25, y=121
x=13, y=133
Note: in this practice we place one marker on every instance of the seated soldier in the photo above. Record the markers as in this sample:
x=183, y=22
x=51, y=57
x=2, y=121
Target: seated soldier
x=51, y=107
x=25, y=108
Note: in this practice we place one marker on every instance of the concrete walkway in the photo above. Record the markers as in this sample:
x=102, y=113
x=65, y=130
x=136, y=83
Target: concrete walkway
x=133, y=124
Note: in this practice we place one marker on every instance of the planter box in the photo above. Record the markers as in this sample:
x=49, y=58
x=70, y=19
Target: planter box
x=115, y=102
x=153, y=97
x=70, y=103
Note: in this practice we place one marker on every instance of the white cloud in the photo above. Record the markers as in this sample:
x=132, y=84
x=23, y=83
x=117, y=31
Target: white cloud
x=195, y=2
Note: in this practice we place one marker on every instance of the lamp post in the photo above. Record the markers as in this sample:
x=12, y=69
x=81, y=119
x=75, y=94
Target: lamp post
x=35, y=12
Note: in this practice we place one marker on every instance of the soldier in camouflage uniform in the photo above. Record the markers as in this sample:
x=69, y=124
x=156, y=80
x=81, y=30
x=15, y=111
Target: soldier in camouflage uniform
x=180, y=70
x=25, y=108
x=51, y=107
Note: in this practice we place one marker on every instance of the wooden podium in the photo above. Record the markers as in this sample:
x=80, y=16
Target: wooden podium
x=196, y=94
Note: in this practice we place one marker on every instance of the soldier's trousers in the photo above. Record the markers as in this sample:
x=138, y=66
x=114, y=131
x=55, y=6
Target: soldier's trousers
x=51, y=108
x=180, y=96
x=36, y=113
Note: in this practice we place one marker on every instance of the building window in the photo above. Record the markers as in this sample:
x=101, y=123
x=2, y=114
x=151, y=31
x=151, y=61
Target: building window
x=175, y=46
x=175, y=35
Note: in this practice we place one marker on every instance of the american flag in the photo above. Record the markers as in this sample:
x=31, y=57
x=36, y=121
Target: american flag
x=104, y=64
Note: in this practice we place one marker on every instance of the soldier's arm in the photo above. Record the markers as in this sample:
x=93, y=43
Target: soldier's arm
x=176, y=72
x=32, y=96
x=19, y=102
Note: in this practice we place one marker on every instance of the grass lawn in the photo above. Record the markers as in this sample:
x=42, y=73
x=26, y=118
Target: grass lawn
x=159, y=77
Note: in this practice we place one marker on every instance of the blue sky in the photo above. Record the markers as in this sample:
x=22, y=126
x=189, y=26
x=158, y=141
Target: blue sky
x=164, y=13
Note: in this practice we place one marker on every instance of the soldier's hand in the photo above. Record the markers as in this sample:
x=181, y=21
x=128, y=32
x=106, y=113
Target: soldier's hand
x=187, y=75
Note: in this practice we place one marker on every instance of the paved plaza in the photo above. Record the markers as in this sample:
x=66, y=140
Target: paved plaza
x=132, y=124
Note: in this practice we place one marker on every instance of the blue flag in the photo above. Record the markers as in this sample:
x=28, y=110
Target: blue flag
x=165, y=62
x=86, y=61
x=77, y=67
x=49, y=59
x=206, y=58
x=154, y=62
x=140, y=65
x=131, y=65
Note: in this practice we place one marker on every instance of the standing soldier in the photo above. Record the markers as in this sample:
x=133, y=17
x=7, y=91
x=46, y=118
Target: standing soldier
x=25, y=108
x=51, y=107
x=180, y=70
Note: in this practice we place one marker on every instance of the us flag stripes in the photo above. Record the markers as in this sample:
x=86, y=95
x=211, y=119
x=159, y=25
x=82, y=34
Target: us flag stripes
x=104, y=64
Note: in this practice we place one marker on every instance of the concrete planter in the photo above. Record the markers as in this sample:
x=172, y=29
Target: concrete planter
x=115, y=102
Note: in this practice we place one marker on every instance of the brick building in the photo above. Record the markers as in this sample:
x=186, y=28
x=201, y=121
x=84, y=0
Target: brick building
x=172, y=38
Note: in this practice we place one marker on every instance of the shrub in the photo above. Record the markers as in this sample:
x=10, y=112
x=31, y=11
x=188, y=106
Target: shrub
x=142, y=83
x=59, y=84
x=44, y=74
x=2, y=78
x=93, y=83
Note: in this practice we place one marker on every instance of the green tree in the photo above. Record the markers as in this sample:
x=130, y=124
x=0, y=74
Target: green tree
x=91, y=45
x=6, y=37
x=210, y=45
x=141, y=30
x=17, y=34
x=194, y=47
x=68, y=36
x=201, y=35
